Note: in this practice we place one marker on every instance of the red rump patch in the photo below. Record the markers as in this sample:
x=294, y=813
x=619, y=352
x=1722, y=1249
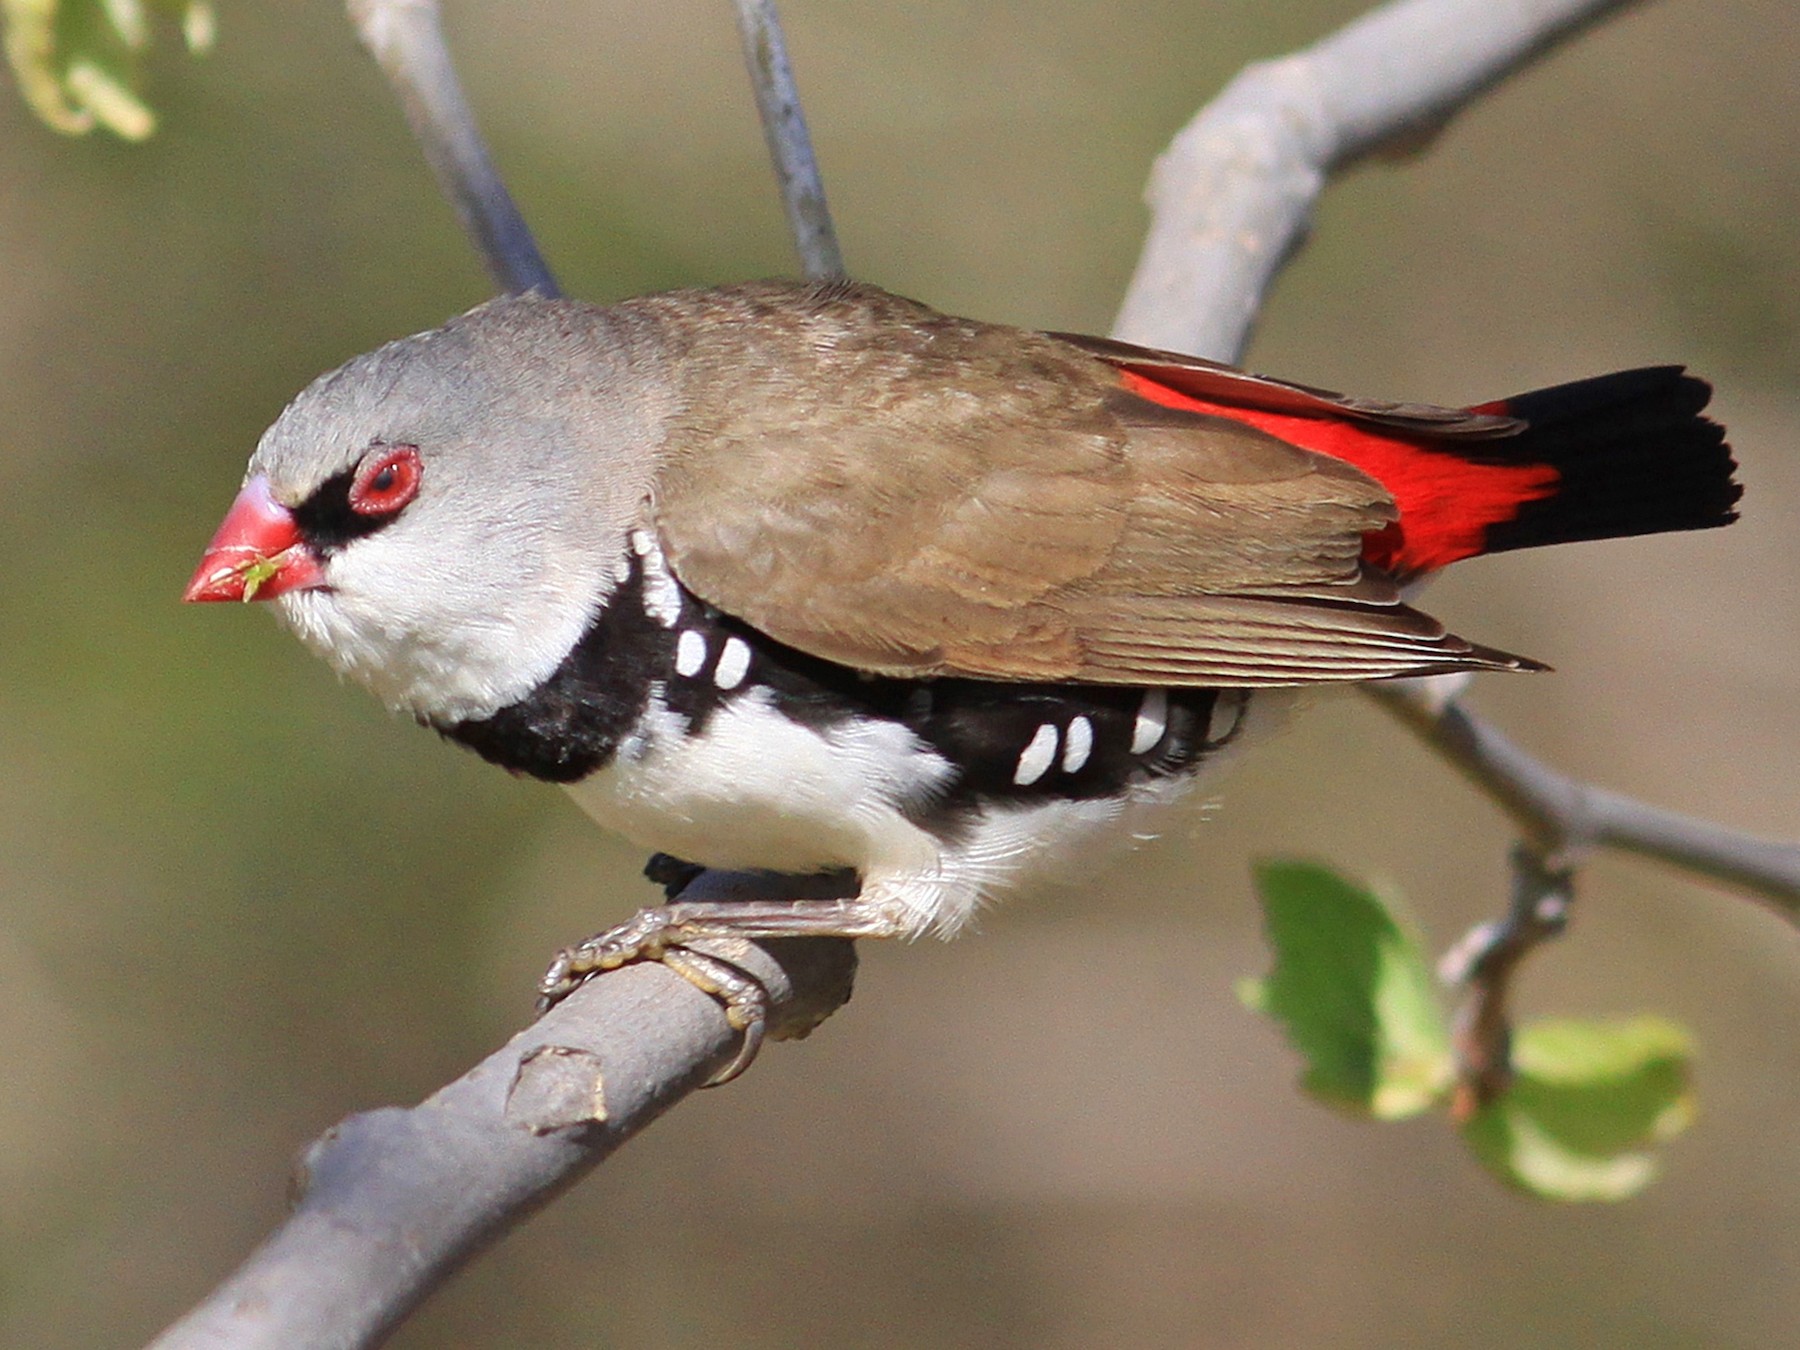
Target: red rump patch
x=1446, y=502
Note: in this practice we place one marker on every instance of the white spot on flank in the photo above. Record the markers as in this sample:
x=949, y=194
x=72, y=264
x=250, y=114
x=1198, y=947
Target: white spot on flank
x=734, y=664
x=1077, y=745
x=662, y=597
x=1152, y=721
x=1035, y=759
x=690, y=653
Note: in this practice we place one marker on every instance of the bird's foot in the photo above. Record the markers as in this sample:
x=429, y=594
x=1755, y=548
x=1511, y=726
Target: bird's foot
x=665, y=933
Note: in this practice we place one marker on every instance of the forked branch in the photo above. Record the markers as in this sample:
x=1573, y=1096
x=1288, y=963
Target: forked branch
x=1231, y=200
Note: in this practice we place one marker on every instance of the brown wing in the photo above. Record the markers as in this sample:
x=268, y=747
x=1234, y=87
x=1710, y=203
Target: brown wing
x=909, y=494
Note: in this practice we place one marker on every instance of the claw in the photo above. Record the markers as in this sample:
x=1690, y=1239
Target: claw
x=746, y=1000
x=746, y=1003
x=557, y=983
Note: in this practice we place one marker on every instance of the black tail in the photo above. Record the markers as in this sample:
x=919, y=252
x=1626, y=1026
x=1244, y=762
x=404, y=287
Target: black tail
x=1634, y=454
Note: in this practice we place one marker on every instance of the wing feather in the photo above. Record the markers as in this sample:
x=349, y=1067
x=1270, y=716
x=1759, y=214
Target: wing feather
x=905, y=493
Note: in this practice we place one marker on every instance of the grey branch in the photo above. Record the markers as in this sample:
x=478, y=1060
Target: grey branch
x=406, y=38
x=1486, y=961
x=1232, y=196
x=392, y=1201
x=789, y=142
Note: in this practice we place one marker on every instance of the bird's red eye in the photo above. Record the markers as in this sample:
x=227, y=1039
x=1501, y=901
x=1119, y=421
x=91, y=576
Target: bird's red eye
x=386, y=481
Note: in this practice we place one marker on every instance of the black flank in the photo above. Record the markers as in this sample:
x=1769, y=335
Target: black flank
x=578, y=719
x=981, y=726
x=572, y=723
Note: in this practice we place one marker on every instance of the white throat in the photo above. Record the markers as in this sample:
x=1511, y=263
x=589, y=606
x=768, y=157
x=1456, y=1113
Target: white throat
x=453, y=649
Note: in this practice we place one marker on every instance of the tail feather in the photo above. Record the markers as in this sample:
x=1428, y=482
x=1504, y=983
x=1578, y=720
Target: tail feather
x=1632, y=453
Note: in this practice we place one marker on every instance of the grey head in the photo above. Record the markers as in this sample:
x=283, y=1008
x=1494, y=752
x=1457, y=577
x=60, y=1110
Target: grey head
x=536, y=425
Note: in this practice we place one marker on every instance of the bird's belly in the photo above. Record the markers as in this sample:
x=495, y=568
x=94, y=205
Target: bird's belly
x=754, y=789
x=757, y=790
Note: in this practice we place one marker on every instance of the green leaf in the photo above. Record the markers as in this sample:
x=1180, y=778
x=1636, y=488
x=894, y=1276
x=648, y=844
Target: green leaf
x=1353, y=992
x=1589, y=1102
x=79, y=63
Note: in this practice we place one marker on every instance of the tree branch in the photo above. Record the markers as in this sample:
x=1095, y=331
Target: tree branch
x=1562, y=817
x=1484, y=963
x=391, y=1202
x=1232, y=196
x=1562, y=821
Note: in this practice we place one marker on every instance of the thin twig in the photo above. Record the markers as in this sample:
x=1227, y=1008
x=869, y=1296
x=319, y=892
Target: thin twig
x=406, y=38
x=789, y=142
x=1561, y=815
x=1563, y=821
x=1485, y=962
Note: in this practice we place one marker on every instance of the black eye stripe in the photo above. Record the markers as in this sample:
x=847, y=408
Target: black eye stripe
x=326, y=520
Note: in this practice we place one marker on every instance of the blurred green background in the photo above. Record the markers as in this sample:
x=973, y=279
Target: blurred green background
x=237, y=902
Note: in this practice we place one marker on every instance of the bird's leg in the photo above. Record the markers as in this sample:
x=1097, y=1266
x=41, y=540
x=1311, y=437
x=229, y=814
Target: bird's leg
x=649, y=935
x=664, y=933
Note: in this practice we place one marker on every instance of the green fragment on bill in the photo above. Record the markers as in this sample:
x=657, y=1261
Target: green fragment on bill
x=256, y=572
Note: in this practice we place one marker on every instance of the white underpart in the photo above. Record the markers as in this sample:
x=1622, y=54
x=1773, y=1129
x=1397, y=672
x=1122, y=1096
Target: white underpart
x=1036, y=757
x=662, y=597
x=758, y=790
x=690, y=653
x=1078, y=743
x=1152, y=721
x=734, y=664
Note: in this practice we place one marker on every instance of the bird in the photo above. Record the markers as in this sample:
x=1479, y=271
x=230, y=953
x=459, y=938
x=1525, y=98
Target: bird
x=807, y=577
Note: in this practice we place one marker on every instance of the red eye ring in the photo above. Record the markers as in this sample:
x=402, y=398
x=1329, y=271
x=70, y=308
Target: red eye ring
x=386, y=480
